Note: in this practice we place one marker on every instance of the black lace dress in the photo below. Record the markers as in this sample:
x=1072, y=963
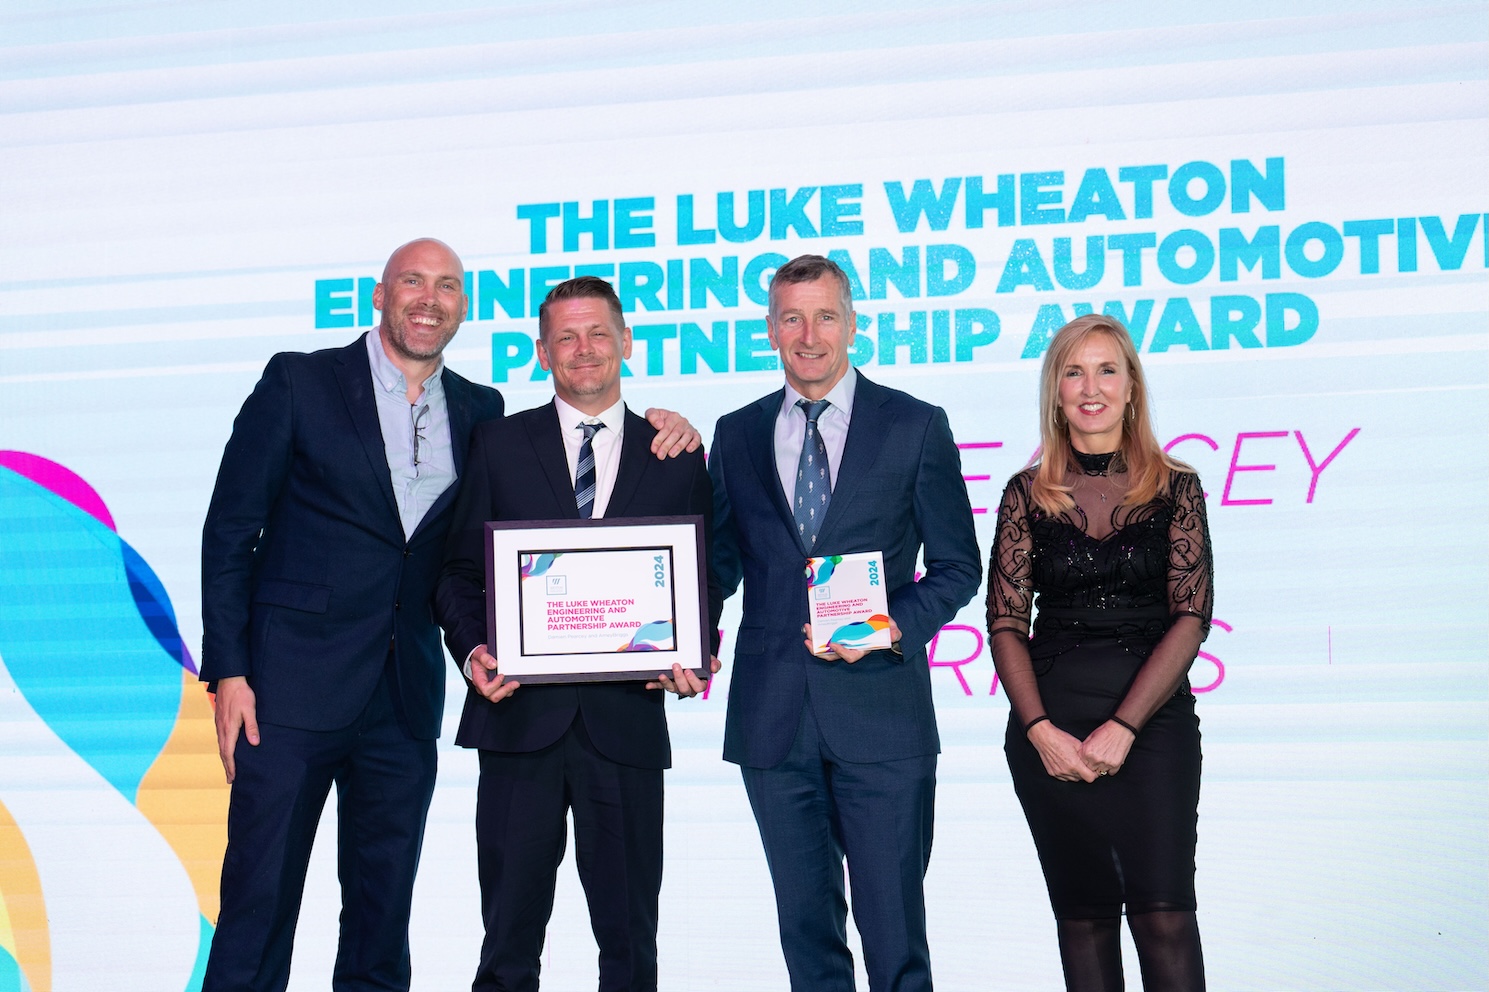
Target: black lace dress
x=1121, y=597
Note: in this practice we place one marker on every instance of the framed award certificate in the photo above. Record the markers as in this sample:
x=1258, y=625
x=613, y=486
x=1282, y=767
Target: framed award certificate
x=597, y=600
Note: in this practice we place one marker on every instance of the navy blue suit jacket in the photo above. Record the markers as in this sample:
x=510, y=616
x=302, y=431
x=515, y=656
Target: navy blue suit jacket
x=307, y=578
x=899, y=489
x=518, y=471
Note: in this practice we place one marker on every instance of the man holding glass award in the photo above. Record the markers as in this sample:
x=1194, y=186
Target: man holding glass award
x=837, y=741
x=563, y=741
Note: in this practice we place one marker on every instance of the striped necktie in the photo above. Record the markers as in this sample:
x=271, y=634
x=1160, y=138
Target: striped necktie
x=584, y=472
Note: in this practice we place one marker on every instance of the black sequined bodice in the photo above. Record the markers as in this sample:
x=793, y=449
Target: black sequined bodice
x=1099, y=556
x=1127, y=569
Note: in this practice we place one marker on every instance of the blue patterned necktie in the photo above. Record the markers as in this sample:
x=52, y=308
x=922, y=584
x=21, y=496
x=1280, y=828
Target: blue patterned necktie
x=813, y=481
x=584, y=472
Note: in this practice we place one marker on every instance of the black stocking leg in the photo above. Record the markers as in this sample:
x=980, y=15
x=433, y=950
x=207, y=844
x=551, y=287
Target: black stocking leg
x=1168, y=950
x=1091, y=954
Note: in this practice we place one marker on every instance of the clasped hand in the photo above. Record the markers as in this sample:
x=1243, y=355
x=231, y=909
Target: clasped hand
x=1070, y=759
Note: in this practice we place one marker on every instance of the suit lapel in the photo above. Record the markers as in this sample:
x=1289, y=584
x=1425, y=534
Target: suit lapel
x=548, y=445
x=354, y=376
x=866, y=433
x=457, y=406
x=760, y=438
x=635, y=458
x=458, y=413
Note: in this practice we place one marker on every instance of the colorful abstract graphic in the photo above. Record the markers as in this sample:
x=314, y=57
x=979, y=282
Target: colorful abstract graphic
x=112, y=803
x=819, y=570
x=532, y=566
x=653, y=636
x=855, y=635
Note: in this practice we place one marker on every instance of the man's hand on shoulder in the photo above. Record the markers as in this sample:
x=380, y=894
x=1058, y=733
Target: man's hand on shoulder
x=487, y=680
x=233, y=713
x=674, y=434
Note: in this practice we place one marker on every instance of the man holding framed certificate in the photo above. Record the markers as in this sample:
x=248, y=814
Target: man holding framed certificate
x=838, y=749
x=561, y=741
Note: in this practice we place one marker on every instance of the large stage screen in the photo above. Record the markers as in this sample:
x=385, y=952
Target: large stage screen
x=1285, y=202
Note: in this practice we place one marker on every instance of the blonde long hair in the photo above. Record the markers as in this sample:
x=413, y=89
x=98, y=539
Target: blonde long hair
x=1148, y=467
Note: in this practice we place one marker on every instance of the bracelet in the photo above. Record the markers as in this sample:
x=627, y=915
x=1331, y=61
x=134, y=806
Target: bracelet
x=1037, y=719
x=1123, y=723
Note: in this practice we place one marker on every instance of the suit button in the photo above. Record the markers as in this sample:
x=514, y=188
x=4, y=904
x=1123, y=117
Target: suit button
x=407, y=553
x=397, y=606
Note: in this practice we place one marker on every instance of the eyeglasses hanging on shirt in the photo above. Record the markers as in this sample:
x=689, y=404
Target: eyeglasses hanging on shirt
x=418, y=417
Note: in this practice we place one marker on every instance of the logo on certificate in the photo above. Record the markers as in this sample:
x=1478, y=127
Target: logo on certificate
x=822, y=592
x=557, y=585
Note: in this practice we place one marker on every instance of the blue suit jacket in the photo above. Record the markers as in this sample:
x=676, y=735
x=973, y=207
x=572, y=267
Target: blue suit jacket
x=899, y=489
x=307, y=578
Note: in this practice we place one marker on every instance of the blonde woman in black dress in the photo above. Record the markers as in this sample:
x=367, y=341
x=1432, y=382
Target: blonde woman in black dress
x=1104, y=543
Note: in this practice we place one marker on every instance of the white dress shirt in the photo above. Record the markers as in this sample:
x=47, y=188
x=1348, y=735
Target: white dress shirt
x=791, y=430
x=606, y=446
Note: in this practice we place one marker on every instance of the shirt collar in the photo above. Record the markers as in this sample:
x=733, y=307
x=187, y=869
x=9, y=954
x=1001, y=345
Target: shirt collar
x=840, y=396
x=389, y=376
x=570, y=418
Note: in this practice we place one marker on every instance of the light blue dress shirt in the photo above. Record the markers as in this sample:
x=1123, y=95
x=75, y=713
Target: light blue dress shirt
x=791, y=430
x=416, y=436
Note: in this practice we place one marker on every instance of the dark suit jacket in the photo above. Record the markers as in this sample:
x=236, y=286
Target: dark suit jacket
x=307, y=578
x=899, y=489
x=517, y=471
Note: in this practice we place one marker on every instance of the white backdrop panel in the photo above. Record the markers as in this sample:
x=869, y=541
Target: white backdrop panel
x=189, y=188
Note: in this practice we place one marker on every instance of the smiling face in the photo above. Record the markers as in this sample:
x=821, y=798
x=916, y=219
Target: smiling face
x=812, y=328
x=583, y=344
x=1095, y=388
x=422, y=299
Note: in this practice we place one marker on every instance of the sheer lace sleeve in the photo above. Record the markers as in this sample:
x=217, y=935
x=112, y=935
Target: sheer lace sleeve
x=1190, y=567
x=1191, y=600
x=1010, y=600
x=1010, y=586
